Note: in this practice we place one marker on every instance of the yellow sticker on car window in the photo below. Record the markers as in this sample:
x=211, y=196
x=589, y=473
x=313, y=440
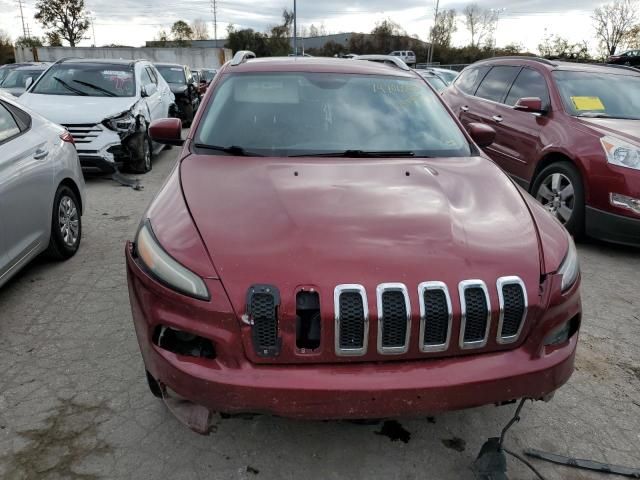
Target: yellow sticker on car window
x=588, y=103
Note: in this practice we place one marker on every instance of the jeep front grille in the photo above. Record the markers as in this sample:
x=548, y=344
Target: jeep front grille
x=475, y=314
x=436, y=316
x=394, y=318
x=351, y=320
x=513, y=308
x=262, y=307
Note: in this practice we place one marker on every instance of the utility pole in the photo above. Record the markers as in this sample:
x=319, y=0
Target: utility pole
x=20, y=4
x=295, y=29
x=214, y=10
x=435, y=24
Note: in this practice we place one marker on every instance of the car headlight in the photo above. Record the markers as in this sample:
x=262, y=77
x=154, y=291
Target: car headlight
x=160, y=264
x=570, y=267
x=123, y=123
x=621, y=153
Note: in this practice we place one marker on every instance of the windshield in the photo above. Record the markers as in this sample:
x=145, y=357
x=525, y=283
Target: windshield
x=605, y=95
x=301, y=113
x=436, y=82
x=208, y=75
x=172, y=74
x=87, y=79
x=17, y=78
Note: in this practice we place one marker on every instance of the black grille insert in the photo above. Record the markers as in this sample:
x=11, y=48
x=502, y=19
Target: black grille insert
x=436, y=313
x=352, y=321
x=394, y=319
x=476, y=314
x=262, y=307
x=514, y=307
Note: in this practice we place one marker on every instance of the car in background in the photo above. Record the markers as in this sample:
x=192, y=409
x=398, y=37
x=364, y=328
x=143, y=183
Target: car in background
x=184, y=87
x=208, y=74
x=41, y=187
x=202, y=86
x=107, y=105
x=5, y=69
x=18, y=79
x=630, y=58
x=408, y=56
x=445, y=74
x=568, y=133
x=333, y=244
x=433, y=79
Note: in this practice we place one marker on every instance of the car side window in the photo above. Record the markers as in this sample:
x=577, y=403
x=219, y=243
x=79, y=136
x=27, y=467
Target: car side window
x=497, y=82
x=469, y=79
x=152, y=75
x=529, y=83
x=8, y=125
x=146, y=78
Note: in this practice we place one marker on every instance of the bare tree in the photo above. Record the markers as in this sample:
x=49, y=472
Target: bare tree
x=5, y=39
x=632, y=39
x=67, y=18
x=444, y=28
x=313, y=31
x=200, y=30
x=481, y=24
x=613, y=22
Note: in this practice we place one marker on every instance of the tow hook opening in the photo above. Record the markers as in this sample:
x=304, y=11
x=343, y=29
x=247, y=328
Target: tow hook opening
x=183, y=343
x=307, y=320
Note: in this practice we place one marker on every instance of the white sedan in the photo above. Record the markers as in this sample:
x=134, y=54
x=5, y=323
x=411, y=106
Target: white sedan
x=41, y=189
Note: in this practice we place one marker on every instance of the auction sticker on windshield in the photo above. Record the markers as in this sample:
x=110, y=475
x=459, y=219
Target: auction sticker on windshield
x=588, y=103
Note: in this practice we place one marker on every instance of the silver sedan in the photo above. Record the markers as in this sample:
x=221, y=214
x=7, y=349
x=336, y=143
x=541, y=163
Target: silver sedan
x=41, y=189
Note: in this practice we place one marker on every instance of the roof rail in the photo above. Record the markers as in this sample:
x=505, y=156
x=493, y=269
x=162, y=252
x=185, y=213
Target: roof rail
x=388, y=59
x=624, y=67
x=520, y=57
x=241, y=57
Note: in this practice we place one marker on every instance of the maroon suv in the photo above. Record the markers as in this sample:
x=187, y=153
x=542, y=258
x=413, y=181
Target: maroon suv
x=569, y=133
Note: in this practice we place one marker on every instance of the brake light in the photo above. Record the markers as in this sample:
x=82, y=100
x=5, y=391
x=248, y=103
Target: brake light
x=67, y=137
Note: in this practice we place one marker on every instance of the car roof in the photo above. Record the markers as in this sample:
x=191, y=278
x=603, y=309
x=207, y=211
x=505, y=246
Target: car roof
x=106, y=61
x=316, y=65
x=168, y=65
x=560, y=65
x=32, y=67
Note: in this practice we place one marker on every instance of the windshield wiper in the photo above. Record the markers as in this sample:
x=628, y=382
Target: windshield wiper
x=96, y=87
x=362, y=154
x=604, y=115
x=232, y=150
x=69, y=87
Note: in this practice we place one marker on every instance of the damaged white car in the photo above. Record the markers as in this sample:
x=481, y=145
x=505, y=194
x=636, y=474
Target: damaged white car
x=107, y=106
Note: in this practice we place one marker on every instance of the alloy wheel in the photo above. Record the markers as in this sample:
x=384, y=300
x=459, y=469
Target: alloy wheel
x=556, y=194
x=68, y=221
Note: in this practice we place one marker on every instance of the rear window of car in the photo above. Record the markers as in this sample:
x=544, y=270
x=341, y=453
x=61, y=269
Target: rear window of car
x=496, y=83
x=172, y=74
x=87, y=79
x=469, y=79
x=285, y=114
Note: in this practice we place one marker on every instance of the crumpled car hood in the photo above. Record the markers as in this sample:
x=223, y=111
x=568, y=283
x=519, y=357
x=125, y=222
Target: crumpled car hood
x=74, y=109
x=324, y=222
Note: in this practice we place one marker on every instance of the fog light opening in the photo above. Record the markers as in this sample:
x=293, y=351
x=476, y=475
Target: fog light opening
x=183, y=343
x=623, y=201
x=307, y=320
x=564, y=332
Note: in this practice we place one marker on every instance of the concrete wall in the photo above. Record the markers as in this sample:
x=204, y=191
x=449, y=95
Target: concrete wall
x=193, y=57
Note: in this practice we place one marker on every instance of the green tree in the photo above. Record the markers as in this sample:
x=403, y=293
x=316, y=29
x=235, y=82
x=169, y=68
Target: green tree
x=555, y=46
x=386, y=35
x=29, y=42
x=280, y=39
x=181, y=33
x=67, y=18
x=247, y=39
x=53, y=39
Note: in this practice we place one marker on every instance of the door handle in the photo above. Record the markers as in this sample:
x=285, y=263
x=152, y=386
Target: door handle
x=464, y=108
x=40, y=154
x=497, y=118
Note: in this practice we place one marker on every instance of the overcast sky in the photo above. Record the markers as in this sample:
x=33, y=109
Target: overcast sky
x=131, y=22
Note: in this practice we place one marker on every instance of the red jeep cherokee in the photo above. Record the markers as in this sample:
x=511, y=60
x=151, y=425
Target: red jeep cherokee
x=333, y=244
x=569, y=133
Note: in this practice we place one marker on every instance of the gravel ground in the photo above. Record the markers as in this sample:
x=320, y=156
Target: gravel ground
x=74, y=403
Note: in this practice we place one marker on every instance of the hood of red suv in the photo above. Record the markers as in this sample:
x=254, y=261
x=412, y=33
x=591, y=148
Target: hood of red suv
x=323, y=222
x=627, y=129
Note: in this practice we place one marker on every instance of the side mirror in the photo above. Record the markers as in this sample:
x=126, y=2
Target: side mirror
x=482, y=134
x=529, y=104
x=148, y=90
x=167, y=131
x=28, y=82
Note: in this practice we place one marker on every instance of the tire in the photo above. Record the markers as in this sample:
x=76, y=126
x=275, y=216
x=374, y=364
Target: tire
x=154, y=386
x=66, y=225
x=141, y=153
x=559, y=189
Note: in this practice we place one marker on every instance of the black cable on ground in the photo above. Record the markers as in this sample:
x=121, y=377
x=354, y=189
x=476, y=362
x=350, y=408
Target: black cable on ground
x=525, y=461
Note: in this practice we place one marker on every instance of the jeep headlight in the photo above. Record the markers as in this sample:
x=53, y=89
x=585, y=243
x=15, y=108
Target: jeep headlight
x=570, y=267
x=165, y=269
x=621, y=153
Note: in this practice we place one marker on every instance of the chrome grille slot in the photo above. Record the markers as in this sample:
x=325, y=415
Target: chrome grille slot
x=476, y=314
x=513, y=308
x=394, y=318
x=436, y=316
x=84, y=133
x=351, y=320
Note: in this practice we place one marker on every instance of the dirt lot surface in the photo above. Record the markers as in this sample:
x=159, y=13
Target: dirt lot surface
x=74, y=403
